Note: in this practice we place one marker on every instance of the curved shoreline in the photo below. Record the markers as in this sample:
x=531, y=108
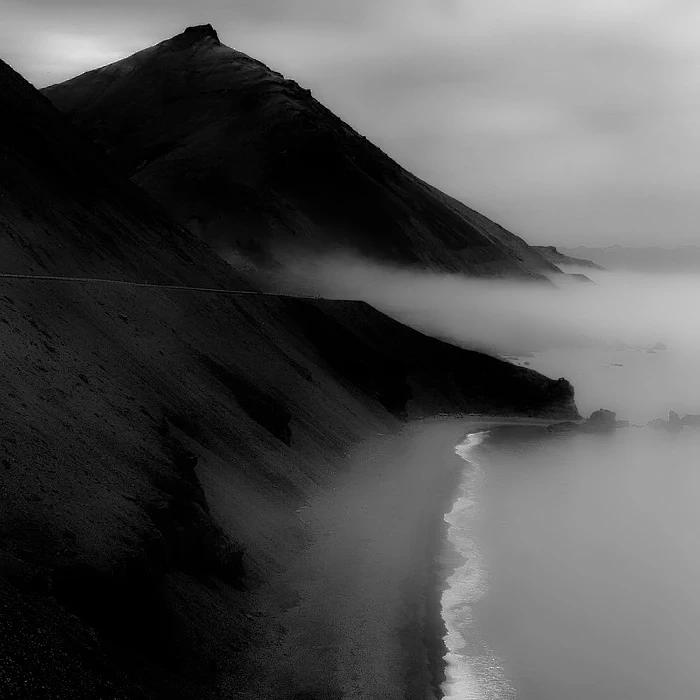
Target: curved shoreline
x=446, y=558
x=365, y=615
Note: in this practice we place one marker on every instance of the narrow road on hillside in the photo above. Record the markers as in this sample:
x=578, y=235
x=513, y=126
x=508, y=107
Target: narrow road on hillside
x=150, y=285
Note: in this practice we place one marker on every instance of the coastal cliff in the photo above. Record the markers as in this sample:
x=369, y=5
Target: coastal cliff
x=159, y=446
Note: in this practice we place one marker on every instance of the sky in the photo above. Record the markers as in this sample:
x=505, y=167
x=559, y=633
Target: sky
x=568, y=122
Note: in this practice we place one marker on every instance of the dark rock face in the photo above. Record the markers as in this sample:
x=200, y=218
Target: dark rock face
x=556, y=257
x=602, y=417
x=352, y=337
x=121, y=407
x=250, y=161
x=603, y=420
x=600, y=421
x=199, y=32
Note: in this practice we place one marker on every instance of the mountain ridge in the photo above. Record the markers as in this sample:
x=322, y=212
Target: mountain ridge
x=684, y=258
x=159, y=444
x=556, y=257
x=251, y=161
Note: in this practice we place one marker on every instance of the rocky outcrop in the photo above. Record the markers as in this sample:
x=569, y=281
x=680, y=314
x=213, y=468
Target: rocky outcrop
x=684, y=259
x=558, y=258
x=675, y=423
x=603, y=420
x=253, y=163
x=600, y=421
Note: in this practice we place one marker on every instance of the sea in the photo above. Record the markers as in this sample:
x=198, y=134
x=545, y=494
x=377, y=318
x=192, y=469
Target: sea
x=579, y=568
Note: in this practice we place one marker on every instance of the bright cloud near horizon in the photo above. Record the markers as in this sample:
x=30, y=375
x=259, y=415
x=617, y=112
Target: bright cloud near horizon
x=568, y=122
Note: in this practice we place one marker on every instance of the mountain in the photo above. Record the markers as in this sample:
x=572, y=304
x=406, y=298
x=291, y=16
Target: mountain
x=255, y=165
x=558, y=258
x=159, y=444
x=643, y=258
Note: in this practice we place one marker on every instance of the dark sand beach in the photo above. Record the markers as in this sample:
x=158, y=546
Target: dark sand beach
x=368, y=588
x=368, y=602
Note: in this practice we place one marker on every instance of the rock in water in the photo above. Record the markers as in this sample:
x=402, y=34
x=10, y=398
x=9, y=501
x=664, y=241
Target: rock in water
x=602, y=417
x=674, y=424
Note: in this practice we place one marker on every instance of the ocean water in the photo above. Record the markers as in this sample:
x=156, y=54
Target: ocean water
x=581, y=573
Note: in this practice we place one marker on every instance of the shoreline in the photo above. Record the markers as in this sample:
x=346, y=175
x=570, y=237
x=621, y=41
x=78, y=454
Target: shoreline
x=364, y=618
x=444, y=559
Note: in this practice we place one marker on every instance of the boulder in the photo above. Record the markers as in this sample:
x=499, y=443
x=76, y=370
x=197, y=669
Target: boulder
x=602, y=417
x=599, y=421
x=603, y=420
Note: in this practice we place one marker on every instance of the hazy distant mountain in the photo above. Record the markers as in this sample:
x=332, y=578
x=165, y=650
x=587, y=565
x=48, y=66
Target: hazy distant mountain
x=157, y=446
x=643, y=259
x=556, y=257
x=250, y=160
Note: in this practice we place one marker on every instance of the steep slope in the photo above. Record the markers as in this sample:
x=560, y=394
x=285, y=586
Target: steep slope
x=556, y=257
x=252, y=162
x=118, y=578
x=643, y=258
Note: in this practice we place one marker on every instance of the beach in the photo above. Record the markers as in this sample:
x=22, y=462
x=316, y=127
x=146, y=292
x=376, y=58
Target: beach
x=365, y=623
x=366, y=585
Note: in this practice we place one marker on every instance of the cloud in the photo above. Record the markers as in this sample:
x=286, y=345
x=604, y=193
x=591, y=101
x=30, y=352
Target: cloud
x=633, y=308
x=570, y=122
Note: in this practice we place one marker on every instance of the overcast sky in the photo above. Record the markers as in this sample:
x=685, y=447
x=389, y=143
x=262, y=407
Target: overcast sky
x=568, y=121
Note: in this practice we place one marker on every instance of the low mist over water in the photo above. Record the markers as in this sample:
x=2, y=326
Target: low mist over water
x=639, y=385
x=590, y=545
x=584, y=548
x=580, y=570
x=580, y=559
x=614, y=308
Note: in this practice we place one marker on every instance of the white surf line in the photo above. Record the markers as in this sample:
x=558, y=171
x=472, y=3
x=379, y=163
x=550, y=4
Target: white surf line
x=472, y=669
x=150, y=285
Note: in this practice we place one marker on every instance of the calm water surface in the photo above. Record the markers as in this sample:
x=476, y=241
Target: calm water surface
x=582, y=552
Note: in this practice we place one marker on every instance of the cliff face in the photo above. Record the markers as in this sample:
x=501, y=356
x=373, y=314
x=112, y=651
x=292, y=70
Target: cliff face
x=116, y=578
x=556, y=257
x=252, y=162
x=685, y=259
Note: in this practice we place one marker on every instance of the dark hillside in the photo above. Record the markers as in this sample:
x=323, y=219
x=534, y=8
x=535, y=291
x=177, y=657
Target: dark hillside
x=119, y=576
x=252, y=162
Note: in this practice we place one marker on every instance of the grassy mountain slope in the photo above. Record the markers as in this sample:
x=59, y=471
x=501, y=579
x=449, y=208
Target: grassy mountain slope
x=252, y=162
x=116, y=578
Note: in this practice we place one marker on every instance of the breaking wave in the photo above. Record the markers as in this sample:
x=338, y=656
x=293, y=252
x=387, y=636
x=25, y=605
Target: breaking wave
x=473, y=670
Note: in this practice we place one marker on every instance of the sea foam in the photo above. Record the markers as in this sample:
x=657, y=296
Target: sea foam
x=473, y=670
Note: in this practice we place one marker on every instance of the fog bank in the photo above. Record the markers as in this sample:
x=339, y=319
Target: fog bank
x=619, y=307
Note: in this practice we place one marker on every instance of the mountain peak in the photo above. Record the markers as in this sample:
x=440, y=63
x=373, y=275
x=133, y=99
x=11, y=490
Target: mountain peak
x=199, y=32
x=246, y=147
